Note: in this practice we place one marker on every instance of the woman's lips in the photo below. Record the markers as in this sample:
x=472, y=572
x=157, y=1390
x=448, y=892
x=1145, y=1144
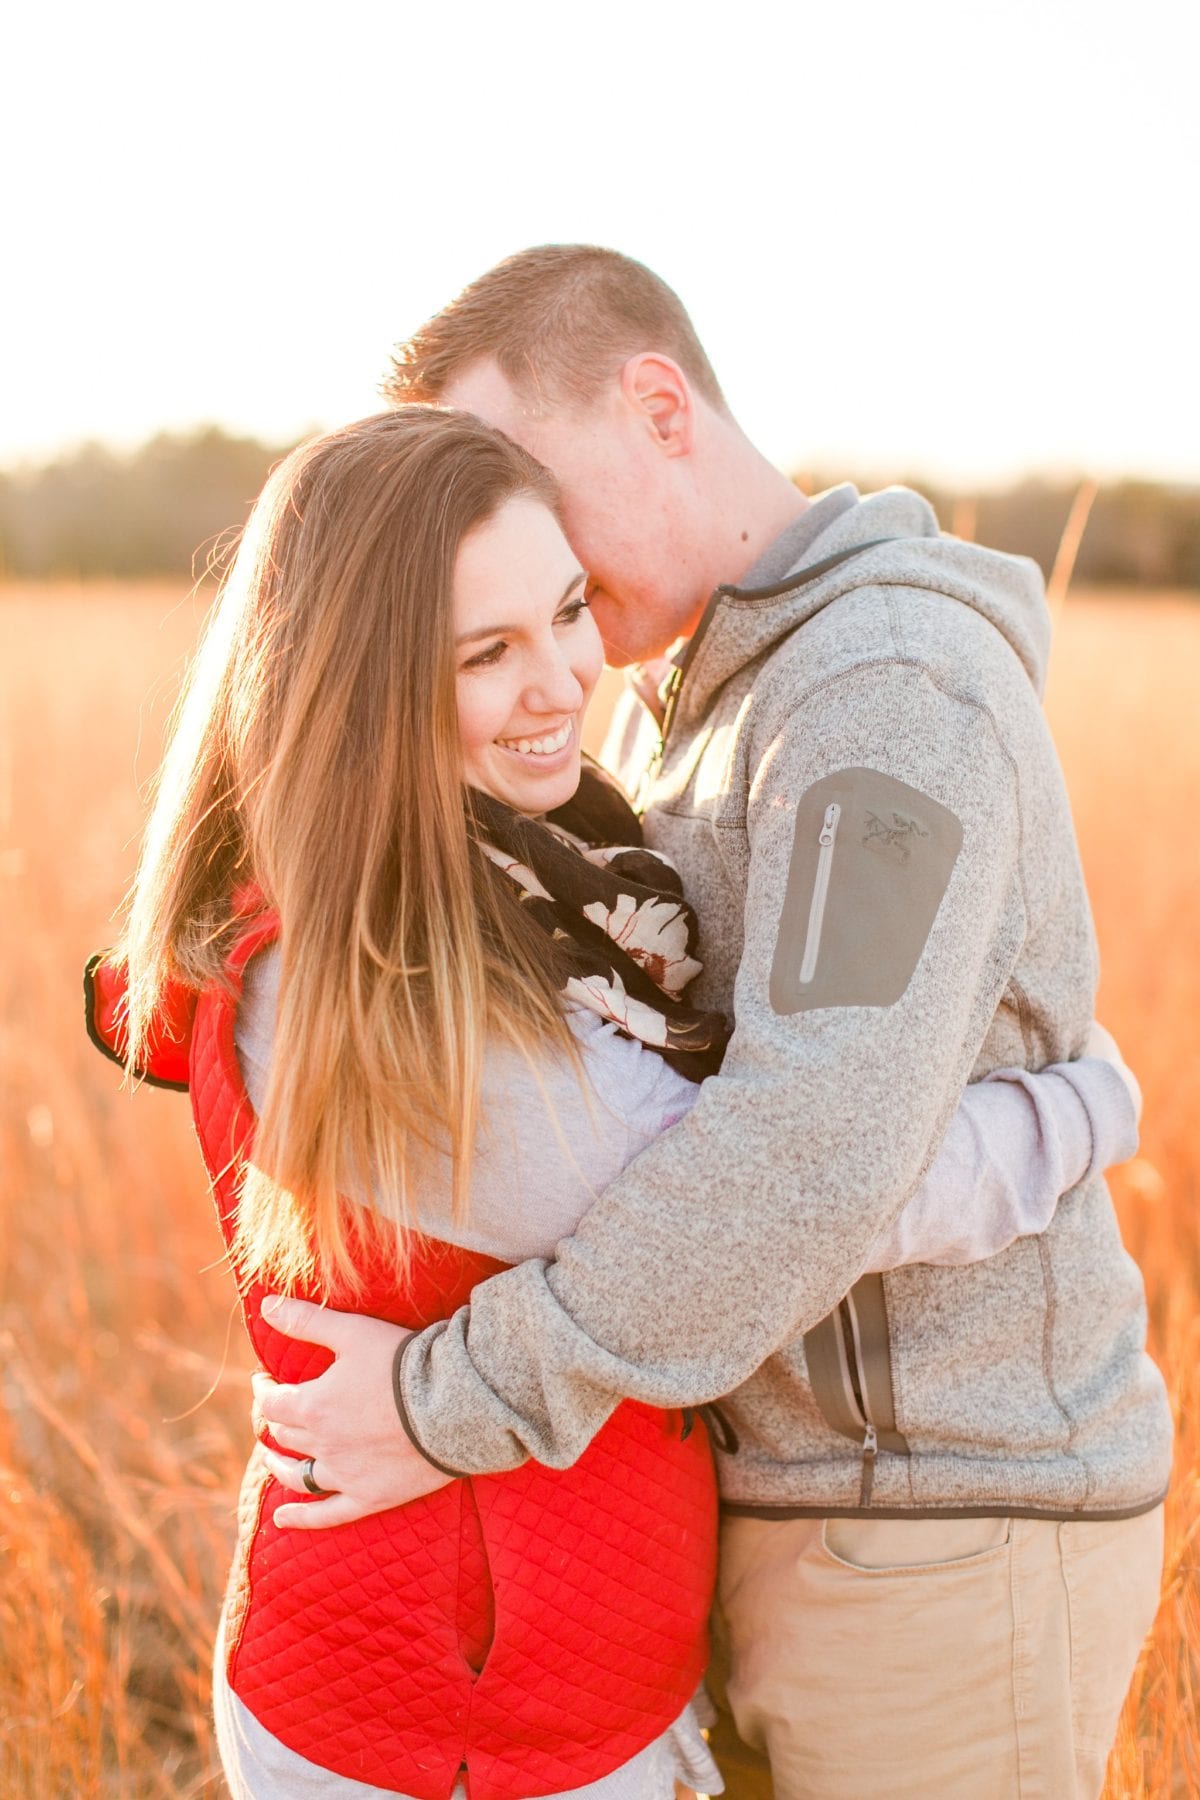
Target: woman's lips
x=542, y=751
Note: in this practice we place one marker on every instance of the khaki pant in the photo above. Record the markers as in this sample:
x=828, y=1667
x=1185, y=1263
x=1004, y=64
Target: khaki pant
x=931, y=1659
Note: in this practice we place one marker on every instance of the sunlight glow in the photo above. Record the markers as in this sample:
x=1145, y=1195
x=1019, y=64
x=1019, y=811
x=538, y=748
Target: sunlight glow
x=953, y=239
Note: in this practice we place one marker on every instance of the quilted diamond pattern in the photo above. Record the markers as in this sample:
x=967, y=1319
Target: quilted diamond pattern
x=531, y=1630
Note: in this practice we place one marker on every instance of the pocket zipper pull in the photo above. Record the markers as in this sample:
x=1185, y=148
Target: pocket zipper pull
x=870, y=1447
x=816, y=912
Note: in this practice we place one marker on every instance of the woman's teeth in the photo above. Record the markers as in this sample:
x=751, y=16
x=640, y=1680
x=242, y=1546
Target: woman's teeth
x=543, y=746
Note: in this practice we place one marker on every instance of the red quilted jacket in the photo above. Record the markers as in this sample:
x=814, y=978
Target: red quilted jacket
x=529, y=1631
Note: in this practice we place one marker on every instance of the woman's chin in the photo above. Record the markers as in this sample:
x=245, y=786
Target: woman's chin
x=542, y=793
x=529, y=785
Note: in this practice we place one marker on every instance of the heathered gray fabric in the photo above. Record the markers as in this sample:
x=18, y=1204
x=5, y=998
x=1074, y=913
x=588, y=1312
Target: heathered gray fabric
x=1019, y=1383
x=1015, y=1144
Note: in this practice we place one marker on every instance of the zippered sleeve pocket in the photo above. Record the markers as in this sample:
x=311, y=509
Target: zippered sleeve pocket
x=871, y=859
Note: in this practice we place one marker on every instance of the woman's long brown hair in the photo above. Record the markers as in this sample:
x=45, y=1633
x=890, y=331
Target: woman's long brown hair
x=316, y=752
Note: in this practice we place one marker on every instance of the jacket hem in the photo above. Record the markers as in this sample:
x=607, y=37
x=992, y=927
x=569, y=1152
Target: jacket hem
x=999, y=1509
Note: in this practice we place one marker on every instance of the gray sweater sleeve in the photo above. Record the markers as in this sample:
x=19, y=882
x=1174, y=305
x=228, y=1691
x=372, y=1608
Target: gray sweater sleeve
x=1016, y=1144
x=745, y=1223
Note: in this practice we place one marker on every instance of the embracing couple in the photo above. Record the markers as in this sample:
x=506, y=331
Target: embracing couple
x=734, y=1169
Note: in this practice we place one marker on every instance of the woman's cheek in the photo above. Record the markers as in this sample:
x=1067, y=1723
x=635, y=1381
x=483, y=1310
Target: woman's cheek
x=480, y=712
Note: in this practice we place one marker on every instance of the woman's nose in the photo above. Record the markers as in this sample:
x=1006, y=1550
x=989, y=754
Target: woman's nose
x=554, y=687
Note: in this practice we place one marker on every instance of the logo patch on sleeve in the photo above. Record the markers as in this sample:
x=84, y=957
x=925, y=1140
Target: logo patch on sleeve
x=871, y=860
x=893, y=837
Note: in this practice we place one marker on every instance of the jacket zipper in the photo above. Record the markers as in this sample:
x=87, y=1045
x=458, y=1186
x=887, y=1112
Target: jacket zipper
x=870, y=1443
x=726, y=591
x=670, y=701
x=816, y=912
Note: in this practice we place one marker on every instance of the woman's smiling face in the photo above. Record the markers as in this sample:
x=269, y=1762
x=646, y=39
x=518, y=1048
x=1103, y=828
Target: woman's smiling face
x=528, y=656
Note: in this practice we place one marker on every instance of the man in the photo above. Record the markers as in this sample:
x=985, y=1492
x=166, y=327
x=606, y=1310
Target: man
x=942, y=1528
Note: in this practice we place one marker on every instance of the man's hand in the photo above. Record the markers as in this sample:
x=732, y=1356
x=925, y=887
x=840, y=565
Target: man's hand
x=345, y=1420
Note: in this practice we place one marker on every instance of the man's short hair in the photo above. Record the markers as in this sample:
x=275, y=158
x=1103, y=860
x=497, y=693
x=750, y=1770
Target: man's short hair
x=559, y=321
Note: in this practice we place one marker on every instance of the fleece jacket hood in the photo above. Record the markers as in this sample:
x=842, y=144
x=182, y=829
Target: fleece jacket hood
x=896, y=542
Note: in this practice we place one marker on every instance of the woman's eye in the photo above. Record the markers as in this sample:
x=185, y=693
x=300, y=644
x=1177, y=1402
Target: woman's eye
x=485, y=658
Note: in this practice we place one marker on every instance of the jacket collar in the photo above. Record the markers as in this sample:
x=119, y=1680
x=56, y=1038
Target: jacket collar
x=887, y=539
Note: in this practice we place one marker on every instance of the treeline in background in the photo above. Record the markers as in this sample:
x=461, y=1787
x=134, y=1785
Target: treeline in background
x=168, y=507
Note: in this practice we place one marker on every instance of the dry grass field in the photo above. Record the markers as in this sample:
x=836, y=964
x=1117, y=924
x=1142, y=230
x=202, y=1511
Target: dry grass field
x=124, y=1403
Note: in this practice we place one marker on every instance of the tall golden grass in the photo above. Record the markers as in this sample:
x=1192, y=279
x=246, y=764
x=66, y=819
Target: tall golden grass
x=123, y=1389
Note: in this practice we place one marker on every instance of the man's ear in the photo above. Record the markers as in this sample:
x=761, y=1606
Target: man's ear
x=658, y=391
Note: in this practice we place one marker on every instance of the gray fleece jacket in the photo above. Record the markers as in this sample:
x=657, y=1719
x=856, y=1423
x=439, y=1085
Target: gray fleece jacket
x=859, y=789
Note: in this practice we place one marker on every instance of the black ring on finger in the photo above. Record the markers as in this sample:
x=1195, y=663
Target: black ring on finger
x=309, y=1480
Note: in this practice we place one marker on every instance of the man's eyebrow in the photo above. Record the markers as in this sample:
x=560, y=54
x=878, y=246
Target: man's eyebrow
x=469, y=637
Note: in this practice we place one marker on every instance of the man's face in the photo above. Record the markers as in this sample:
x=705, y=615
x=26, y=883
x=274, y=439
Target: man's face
x=621, y=507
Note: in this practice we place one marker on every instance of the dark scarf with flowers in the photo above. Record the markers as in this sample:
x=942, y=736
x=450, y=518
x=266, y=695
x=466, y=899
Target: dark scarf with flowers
x=616, y=913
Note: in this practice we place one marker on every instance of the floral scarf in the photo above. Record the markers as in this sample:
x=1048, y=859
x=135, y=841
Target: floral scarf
x=616, y=912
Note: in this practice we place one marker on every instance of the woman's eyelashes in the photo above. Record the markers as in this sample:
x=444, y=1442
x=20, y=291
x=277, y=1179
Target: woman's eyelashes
x=483, y=659
x=567, y=615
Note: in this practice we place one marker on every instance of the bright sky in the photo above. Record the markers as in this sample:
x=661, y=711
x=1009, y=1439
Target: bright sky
x=949, y=236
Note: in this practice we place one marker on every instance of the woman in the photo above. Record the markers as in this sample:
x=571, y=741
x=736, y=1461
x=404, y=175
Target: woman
x=384, y=976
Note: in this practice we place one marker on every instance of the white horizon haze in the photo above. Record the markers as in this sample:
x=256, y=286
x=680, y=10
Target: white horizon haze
x=956, y=240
